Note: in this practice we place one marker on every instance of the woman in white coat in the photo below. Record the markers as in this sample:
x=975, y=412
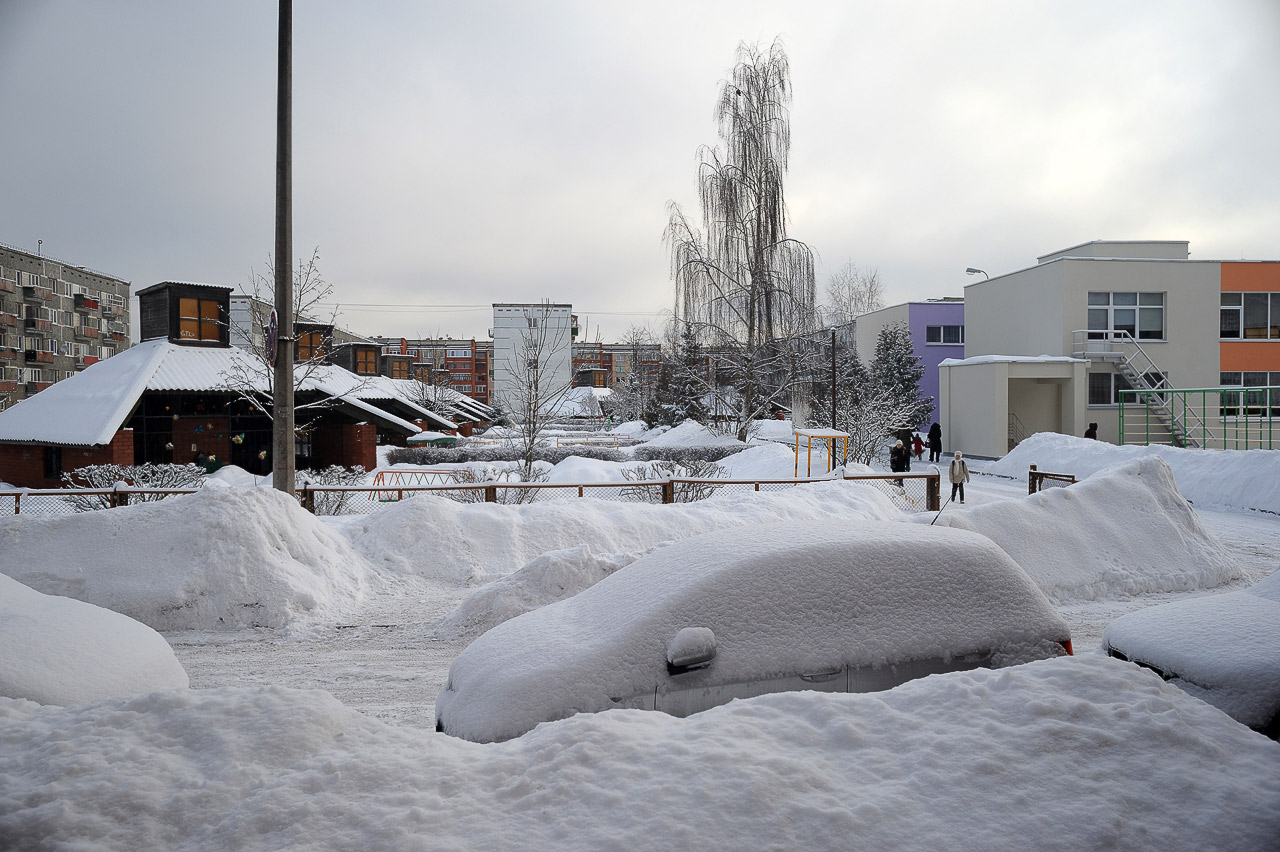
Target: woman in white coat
x=958, y=473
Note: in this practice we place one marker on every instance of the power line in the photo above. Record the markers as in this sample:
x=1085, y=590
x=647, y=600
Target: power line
x=389, y=306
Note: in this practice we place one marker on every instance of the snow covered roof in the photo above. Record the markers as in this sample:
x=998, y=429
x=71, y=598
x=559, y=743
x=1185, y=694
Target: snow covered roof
x=1009, y=359
x=91, y=406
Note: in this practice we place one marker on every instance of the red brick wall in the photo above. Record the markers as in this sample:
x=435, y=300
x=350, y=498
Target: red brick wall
x=23, y=464
x=345, y=444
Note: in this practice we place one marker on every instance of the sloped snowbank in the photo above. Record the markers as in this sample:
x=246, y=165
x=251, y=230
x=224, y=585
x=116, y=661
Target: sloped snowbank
x=55, y=650
x=226, y=557
x=470, y=542
x=691, y=433
x=1074, y=753
x=1124, y=531
x=1246, y=479
x=547, y=578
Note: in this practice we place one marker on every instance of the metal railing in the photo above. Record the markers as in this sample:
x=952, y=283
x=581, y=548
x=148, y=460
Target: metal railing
x=1039, y=480
x=1221, y=418
x=912, y=492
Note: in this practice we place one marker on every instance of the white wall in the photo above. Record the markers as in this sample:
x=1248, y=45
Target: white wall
x=513, y=326
x=867, y=329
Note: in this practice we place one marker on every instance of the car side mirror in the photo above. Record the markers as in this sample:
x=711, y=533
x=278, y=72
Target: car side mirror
x=692, y=648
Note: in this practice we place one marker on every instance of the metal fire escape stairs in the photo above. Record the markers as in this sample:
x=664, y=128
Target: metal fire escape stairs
x=1122, y=351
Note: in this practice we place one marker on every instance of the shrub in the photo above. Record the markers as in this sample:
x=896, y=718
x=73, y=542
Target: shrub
x=333, y=502
x=682, y=492
x=686, y=455
x=427, y=456
x=105, y=477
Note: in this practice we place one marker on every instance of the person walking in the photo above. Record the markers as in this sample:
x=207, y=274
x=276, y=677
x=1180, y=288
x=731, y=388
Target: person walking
x=917, y=446
x=935, y=443
x=1092, y=431
x=899, y=461
x=958, y=473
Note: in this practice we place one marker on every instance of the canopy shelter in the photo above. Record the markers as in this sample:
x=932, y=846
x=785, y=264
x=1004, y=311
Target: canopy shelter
x=807, y=436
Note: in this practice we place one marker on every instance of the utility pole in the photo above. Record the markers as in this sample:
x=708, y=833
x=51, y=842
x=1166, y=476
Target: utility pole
x=282, y=462
x=833, y=381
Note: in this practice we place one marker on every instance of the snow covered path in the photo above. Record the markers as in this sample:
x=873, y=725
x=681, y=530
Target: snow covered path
x=389, y=662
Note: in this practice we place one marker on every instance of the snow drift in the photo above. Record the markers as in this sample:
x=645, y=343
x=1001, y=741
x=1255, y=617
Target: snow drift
x=56, y=650
x=226, y=557
x=1246, y=479
x=1074, y=753
x=476, y=542
x=1125, y=531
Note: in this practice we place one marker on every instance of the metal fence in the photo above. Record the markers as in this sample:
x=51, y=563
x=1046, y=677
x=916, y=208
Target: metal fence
x=1038, y=480
x=910, y=492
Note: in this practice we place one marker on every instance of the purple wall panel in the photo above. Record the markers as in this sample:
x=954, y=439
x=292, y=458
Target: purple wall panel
x=919, y=315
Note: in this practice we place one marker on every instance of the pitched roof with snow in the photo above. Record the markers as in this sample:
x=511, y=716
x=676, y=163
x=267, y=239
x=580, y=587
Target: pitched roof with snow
x=91, y=406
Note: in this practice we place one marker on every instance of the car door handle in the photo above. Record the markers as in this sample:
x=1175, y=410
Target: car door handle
x=821, y=677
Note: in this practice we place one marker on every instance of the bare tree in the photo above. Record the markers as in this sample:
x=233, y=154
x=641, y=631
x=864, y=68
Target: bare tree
x=742, y=286
x=851, y=291
x=252, y=379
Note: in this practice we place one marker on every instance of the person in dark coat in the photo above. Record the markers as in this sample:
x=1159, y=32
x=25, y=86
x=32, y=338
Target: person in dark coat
x=899, y=460
x=935, y=443
x=1092, y=431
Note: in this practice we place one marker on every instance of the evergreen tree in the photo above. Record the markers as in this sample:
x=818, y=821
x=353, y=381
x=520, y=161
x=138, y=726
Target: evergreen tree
x=896, y=371
x=689, y=381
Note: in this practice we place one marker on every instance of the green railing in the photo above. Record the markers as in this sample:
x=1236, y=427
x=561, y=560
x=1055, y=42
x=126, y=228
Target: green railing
x=1211, y=418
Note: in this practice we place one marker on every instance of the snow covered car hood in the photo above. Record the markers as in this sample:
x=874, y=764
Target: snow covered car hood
x=781, y=599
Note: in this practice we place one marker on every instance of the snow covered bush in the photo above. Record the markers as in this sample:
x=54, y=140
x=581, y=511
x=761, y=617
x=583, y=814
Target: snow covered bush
x=687, y=455
x=333, y=502
x=105, y=476
x=683, y=492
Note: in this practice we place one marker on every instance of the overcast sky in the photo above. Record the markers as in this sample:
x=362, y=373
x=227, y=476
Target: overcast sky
x=459, y=154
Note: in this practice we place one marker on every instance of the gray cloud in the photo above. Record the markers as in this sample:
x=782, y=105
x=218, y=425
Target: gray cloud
x=462, y=154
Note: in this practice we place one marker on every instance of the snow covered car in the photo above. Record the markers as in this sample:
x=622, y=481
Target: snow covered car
x=748, y=611
x=1223, y=649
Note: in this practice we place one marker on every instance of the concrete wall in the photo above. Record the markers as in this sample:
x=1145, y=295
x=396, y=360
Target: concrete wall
x=1017, y=314
x=868, y=326
x=514, y=338
x=975, y=405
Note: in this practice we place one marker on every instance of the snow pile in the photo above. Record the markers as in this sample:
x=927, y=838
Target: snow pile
x=233, y=476
x=630, y=429
x=691, y=433
x=1075, y=753
x=1126, y=531
x=576, y=469
x=469, y=542
x=55, y=650
x=225, y=557
x=1221, y=649
x=782, y=599
x=781, y=431
x=1247, y=479
x=553, y=576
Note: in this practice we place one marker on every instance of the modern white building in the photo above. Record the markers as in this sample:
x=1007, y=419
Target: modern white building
x=1050, y=347
x=532, y=353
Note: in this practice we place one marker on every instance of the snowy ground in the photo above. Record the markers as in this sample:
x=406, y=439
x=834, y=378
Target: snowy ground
x=391, y=660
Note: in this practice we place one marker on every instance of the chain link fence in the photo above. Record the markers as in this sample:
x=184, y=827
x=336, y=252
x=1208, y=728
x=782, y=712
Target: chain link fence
x=910, y=492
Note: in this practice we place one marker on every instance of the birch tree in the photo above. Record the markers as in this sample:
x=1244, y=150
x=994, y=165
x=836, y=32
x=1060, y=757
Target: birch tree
x=743, y=287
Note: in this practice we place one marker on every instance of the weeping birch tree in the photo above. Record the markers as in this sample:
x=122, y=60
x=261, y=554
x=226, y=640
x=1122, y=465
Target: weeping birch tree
x=743, y=287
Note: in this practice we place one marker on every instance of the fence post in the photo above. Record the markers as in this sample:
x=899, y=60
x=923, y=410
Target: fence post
x=668, y=492
x=308, y=499
x=1031, y=480
x=931, y=487
x=119, y=497
x=491, y=494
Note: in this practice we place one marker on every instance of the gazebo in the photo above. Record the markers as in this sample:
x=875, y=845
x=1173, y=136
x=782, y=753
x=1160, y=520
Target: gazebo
x=830, y=436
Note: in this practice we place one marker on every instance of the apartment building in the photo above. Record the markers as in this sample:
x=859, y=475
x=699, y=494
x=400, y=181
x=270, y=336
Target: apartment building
x=1051, y=347
x=603, y=365
x=464, y=365
x=528, y=337
x=55, y=319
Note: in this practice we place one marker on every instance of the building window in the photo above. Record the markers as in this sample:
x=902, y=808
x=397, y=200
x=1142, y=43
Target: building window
x=952, y=335
x=1104, y=388
x=366, y=361
x=399, y=369
x=1250, y=316
x=458, y=353
x=198, y=319
x=310, y=345
x=1137, y=315
x=1251, y=403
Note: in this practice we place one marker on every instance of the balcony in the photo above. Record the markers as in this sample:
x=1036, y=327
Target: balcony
x=7, y=286
x=31, y=293
x=35, y=325
x=83, y=361
x=85, y=303
x=118, y=335
x=8, y=387
x=38, y=356
x=109, y=310
x=36, y=387
x=8, y=319
x=87, y=332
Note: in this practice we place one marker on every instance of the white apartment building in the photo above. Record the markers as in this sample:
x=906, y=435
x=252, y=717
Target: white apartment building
x=1050, y=347
x=531, y=341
